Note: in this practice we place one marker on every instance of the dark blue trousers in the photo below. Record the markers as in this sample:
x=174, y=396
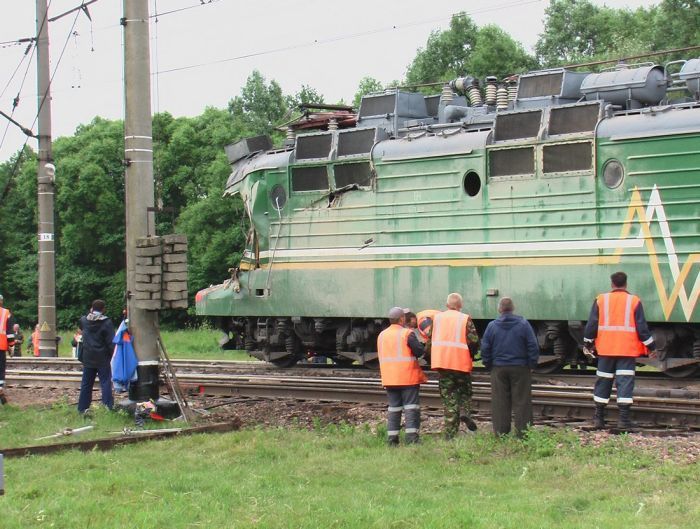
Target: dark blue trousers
x=86, y=385
x=619, y=369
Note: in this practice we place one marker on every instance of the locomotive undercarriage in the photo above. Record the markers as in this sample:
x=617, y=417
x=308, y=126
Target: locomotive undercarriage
x=284, y=341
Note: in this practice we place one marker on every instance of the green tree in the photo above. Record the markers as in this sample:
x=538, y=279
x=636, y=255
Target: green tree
x=306, y=95
x=675, y=24
x=261, y=107
x=496, y=53
x=446, y=54
x=579, y=31
x=465, y=49
x=18, y=241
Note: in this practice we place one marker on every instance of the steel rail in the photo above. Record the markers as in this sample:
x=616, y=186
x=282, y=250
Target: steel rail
x=658, y=407
x=586, y=379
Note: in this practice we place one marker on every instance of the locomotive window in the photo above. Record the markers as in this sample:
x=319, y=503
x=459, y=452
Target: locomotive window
x=472, y=184
x=613, y=173
x=278, y=197
x=309, y=178
x=568, y=120
x=355, y=142
x=509, y=162
x=567, y=157
x=520, y=125
x=352, y=173
x=317, y=146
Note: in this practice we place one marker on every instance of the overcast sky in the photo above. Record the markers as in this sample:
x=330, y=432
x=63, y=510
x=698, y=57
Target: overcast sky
x=328, y=45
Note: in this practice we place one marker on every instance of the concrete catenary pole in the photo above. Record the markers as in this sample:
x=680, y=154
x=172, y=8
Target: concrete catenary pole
x=138, y=153
x=45, y=185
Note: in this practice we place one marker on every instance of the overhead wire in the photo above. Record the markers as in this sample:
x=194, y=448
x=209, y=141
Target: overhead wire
x=18, y=160
x=15, y=101
x=347, y=36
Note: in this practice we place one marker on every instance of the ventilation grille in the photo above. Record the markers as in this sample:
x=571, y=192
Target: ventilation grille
x=568, y=120
x=309, y=178
x=317, y=146
x=509, y=162
x=540, y=85
x=353, y=173
x=378, y=105
x=355, y=142
x=568, y=157
x=517, y=126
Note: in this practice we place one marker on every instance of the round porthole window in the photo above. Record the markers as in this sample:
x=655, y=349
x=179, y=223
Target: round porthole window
x=613, y=173
x=278, y=197
x=472, y=184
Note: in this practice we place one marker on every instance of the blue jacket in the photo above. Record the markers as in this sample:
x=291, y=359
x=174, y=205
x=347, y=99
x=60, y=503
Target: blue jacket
x=509, y=341
x=124, y=361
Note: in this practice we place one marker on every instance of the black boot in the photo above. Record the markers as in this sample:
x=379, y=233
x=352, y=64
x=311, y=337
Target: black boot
x=599, y=417
x=412, y=439
x=393, y=440
x=624, y=422
x=466, y=419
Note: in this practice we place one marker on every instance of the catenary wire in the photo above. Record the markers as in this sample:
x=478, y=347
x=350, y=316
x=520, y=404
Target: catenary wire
x=349, y=36
x=17, y=164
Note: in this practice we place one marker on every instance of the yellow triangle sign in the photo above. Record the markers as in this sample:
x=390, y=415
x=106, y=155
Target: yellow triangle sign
x=45, y=327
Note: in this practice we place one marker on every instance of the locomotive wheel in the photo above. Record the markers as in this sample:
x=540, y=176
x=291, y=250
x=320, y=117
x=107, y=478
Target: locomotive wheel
x=681, y=372
x=287, y=361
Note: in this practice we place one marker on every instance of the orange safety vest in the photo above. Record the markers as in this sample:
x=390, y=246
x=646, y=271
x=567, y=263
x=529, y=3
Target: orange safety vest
x=421, y=317
x=617, y=329
x=397, y=364
x=35, y=342
x=449, y=344
x=4, y=316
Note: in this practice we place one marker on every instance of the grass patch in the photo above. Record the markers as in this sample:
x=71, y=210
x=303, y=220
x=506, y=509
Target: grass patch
x=199, y=343
x=340, y=476
x=24, y=426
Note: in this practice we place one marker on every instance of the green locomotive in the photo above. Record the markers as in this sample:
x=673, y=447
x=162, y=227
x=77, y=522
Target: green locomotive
x=538, y=188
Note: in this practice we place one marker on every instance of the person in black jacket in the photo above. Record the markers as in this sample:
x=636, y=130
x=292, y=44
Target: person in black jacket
x=98, y=333
x=509, y=350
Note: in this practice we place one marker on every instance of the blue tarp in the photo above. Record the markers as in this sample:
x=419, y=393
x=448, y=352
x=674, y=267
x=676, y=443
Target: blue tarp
x=124, y=359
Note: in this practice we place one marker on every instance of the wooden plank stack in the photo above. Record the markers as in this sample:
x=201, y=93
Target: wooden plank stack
x=161, y=272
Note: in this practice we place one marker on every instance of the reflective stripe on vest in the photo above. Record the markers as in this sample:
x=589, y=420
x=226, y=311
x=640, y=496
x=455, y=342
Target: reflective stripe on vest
x=617, y=329
x=397, y=365
x=4, y=316
x=449, y=348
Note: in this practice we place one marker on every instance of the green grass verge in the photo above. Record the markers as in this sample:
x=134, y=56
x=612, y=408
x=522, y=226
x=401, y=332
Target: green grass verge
x=340, y=476
x=201, y=343
x=24, y=426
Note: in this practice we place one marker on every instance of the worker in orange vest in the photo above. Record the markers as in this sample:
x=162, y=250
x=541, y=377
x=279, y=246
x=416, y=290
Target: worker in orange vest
x=453, y=345
x=7, y=340
x=618, y=332
x=34, y=340
x=399, y=350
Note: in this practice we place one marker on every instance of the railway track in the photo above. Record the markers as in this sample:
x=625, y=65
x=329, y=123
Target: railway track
x=659, y=401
